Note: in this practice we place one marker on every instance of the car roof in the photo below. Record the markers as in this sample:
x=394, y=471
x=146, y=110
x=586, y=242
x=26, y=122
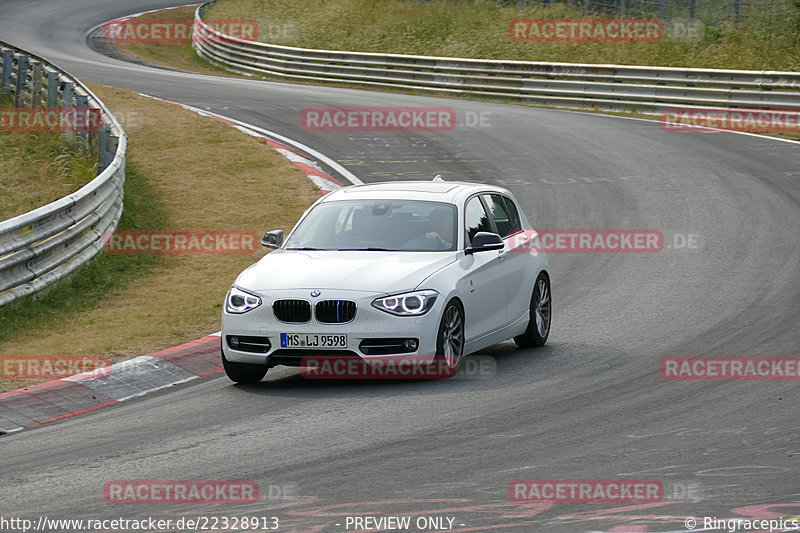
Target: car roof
x=437, y=191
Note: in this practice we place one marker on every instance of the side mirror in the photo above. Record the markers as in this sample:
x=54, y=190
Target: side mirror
x=273, y=239
x=483, y=241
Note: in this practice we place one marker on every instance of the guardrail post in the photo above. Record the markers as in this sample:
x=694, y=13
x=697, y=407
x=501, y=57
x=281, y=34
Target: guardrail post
x=67, y=95
x=102, y=145
x=735, y=10
x=52, y=89
x=112, y=142
x=82, y=102
x=68, y=101
x=22, y=79
x=36, y=91
x=8, y=64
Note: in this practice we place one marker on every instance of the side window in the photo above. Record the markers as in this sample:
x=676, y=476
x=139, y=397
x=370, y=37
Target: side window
x=513, y=216
x=475, y=219
x=499, y=213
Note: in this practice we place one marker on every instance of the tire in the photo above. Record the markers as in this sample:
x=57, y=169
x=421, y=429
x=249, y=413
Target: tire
x=450, y=338
x=244, y=373
x=541, y=312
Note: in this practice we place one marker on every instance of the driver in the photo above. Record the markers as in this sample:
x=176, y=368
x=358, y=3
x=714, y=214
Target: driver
x=441, y=221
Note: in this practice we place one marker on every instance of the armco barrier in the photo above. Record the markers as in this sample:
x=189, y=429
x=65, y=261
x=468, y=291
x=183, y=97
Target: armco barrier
x=571, y=85
x=42, y=246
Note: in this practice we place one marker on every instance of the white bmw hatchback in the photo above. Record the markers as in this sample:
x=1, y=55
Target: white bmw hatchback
x=430, y=269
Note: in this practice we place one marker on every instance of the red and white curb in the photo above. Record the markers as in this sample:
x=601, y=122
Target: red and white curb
x=62, y=398
x=321, y=179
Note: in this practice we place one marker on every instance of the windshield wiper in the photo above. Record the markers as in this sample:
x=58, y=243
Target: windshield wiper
x=303, y=248
x=368, y=249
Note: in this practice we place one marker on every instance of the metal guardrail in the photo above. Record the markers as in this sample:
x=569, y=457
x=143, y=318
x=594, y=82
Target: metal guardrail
x=707, y=10
x=44, y=245
x=570, y=85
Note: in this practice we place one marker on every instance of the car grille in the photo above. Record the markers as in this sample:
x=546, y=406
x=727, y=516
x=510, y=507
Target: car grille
x=335, y=311
x=292, y=310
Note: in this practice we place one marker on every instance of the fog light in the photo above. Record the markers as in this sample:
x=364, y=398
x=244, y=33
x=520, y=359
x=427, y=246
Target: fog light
x=234, y=342
x=410, y=344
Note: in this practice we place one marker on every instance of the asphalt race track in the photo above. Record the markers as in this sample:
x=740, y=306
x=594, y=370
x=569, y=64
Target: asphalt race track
x=589, y=405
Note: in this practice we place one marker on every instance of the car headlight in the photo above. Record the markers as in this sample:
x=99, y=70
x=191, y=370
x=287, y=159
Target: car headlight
x=239, y=302
x=409, y=304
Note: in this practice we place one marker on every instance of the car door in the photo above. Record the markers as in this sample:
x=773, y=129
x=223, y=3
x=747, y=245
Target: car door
x=513, y=265
x=482, y=282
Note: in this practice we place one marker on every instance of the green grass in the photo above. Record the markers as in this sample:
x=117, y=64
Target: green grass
x=763, y=39
x=39, y=167
x=92, y=282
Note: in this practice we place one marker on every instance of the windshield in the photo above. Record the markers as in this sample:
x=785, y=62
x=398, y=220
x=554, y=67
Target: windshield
x=392, y=225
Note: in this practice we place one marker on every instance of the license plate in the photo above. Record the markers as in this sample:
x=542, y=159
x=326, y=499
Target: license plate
x=313, y=340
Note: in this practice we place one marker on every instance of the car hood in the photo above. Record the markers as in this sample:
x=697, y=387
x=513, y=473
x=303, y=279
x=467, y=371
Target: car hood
x=380, y=272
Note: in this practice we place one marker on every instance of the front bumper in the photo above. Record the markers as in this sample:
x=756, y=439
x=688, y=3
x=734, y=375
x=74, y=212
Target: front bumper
x=368, y=325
